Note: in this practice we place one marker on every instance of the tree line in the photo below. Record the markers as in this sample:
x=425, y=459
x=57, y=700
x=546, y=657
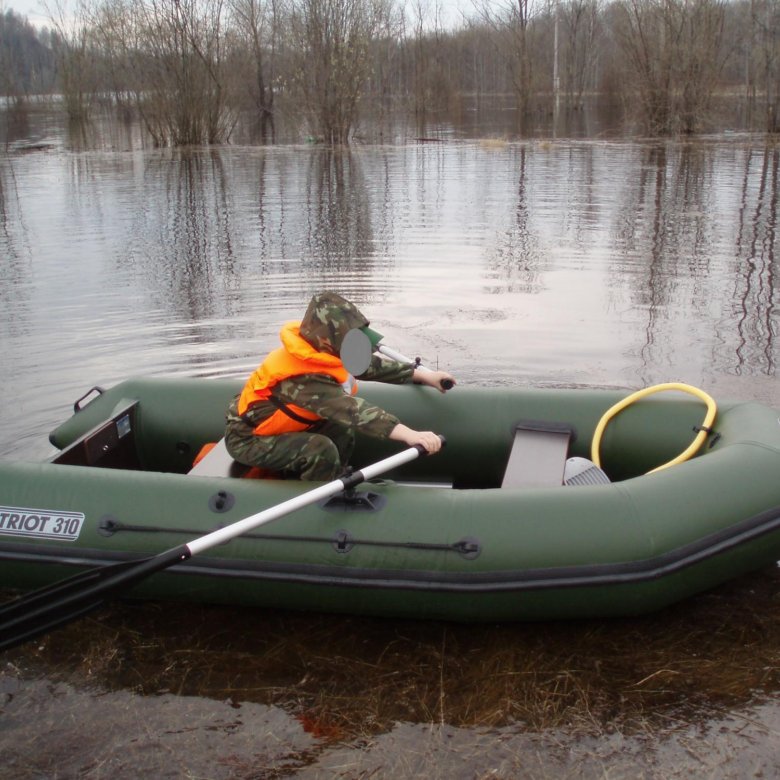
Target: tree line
x=190, y=68
x=27, y=62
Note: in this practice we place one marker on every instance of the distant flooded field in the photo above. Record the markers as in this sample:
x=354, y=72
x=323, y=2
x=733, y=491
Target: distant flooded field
x=556, y=260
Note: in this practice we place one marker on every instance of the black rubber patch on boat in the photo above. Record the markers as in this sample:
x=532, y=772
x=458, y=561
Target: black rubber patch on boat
x=343, y=542
x=222, y=501
x=108, y=525
x=468, y=547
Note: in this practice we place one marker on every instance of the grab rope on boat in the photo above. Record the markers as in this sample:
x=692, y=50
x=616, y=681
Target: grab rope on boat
x=468, y=547
x=702, y=430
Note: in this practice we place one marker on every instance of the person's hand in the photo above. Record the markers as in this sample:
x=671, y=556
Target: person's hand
x=430, y=441
x=441, y=380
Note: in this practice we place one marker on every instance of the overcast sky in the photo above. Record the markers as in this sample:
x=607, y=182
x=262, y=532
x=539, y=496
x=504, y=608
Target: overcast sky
x=32, y=9
x=36, y=14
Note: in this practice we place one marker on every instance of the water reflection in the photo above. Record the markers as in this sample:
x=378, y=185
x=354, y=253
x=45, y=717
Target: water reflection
x=339, y=231
x=14, y=265
x=515, y=263
x=4, y=208
x=17, y=121
x=109, y=127
x=182, y=243
x=677, y=217
x=664, y=237
x=610, y=263
x=755, y=293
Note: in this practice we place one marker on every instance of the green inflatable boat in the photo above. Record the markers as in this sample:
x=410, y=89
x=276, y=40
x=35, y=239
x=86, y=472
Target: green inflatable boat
x=545, y=504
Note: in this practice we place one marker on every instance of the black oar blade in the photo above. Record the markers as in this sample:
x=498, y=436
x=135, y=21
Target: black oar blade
x=60, y=590
x=19, y=631
x=43, y=610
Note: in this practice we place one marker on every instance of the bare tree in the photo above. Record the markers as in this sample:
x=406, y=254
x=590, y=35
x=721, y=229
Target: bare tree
x=178, y=58
x=431, y=86
x=73, y=45
x=189, y=67
x=674, y=55
x=582, y=24
x=331, y=42
x=511, y=21
x=112, y=34
x=257, y=27
x=764, y=59
x=702, y=57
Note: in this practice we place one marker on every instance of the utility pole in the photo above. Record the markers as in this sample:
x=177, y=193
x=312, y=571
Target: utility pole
x=556, y=77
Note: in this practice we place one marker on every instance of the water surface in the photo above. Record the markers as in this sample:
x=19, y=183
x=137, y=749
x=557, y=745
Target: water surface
x=556, y=262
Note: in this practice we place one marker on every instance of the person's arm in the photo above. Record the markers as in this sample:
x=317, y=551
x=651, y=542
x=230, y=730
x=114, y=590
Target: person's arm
x=383, y=369
x=424, y=376
x=428, y=439
x=326, y=398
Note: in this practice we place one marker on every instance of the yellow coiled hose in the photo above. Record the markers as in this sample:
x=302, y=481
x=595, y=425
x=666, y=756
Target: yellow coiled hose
x=709, y=418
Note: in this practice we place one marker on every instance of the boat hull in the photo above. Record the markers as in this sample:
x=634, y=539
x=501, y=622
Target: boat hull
x=474, y=552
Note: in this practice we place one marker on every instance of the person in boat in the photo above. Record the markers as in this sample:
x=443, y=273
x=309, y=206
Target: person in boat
x=298, y=412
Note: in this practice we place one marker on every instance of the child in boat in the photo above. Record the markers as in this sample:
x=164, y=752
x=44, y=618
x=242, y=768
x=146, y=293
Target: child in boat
x=298, y=413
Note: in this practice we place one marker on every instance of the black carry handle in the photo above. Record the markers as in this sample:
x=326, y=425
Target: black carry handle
x=96, y=389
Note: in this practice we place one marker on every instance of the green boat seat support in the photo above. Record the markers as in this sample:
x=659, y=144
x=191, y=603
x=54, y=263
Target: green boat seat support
x=538, y=455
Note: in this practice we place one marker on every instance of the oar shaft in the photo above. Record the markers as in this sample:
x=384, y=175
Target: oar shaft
x=395, y=355
x=222, y=535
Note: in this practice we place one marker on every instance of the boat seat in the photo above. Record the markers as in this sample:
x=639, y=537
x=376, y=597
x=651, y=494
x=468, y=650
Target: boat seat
x=538, y=455
x=214, y=460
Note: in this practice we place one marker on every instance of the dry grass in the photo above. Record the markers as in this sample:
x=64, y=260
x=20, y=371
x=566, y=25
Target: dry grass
x=347, y=678
x=494, y=144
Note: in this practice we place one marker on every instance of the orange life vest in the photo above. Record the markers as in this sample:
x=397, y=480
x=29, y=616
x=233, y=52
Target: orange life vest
x=296, y=357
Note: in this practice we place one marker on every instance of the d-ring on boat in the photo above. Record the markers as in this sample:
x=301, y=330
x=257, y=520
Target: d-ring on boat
x=545, y=504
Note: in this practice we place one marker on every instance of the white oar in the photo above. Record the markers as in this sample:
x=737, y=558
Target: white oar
x=64, y=601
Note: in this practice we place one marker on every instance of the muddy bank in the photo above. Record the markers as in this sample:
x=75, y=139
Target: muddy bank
x=90, y=734
x=235, y=693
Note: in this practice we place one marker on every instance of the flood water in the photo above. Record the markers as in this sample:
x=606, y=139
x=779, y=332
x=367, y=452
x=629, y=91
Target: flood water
x=568, y=262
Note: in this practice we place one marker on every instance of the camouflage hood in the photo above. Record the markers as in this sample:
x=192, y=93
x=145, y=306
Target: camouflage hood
x=328, y=319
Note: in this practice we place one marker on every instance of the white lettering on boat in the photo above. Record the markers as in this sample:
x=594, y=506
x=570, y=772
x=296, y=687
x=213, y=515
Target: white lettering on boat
x=40, y=523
